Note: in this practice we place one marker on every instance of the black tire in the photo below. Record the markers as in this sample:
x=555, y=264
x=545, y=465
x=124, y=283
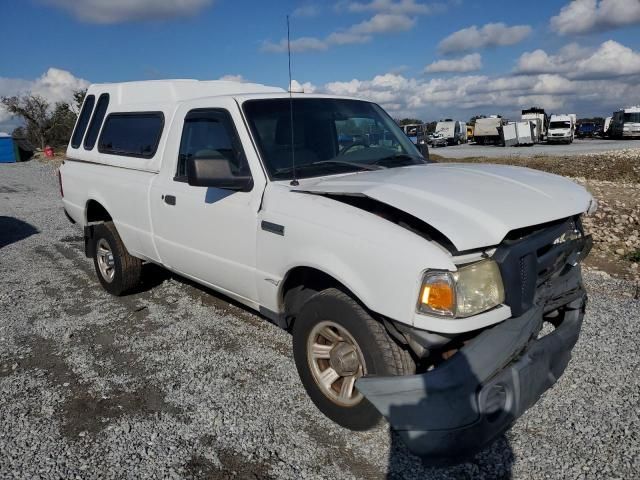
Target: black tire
x=126, y=268
x=381, y=354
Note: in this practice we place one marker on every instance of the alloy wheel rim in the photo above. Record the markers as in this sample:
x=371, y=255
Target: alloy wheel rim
x=106, y=264
x=336, y=362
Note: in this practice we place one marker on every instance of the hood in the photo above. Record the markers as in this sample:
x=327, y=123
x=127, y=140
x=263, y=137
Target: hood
x=473, y=205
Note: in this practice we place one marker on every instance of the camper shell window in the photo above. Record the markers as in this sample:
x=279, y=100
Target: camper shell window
x=132, y=134
x=96, y=121
x=83, y=121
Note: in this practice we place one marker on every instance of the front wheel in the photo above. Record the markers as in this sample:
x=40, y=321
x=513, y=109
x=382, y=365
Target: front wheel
x=335, y=342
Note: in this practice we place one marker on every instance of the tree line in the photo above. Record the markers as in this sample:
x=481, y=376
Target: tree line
x=45, y=124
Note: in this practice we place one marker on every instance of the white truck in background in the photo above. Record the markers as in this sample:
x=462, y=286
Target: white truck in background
x=626, y=123
x=454, y=131
x=562, y=128
x=487, y=130
x=413, y=290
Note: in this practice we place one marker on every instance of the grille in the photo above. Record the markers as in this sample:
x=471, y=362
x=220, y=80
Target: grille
x=532, y=259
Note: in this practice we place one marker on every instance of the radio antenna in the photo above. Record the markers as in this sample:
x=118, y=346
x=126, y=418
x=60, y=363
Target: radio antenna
x=294, y=180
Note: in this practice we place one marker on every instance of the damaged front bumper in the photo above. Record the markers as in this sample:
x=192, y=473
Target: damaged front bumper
x=454, y=410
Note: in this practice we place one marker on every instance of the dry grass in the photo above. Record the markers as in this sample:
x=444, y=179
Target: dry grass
x=622, y=166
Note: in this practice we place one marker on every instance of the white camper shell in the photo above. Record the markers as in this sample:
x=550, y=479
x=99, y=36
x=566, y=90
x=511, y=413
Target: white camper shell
x=379, y=262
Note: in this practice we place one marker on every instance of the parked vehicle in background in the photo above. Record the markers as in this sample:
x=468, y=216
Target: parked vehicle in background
x=417, y=133
x=413, y=289
x=561, y=128
x=522, y=133
x=487, y=130
x=437, y=140
x=626, y=123
x=542, y=121
x=587, y=130
x=470, y=129
x=414, y=131
x=453, y=130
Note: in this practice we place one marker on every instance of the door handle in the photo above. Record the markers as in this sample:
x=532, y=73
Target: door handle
x=169, y=199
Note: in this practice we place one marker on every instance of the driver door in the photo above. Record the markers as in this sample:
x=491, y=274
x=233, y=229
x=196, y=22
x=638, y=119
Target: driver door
x=208, y=234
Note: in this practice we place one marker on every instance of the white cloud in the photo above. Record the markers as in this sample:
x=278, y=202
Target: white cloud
x=465, y=95
x=302, y=44
x=55, y=85
x=389, y=6
x=389, y=16
x=585, y=16
x=347, y=38
x=609, y=60
x=384, y=23
x=468, y=63
x=359, y=33
x=116, y=11
x=234, y=78
x=489, y=35
x=306, y=87
x=308, y=10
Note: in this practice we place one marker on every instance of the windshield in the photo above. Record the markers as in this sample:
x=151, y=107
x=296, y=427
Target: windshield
x=563, y=124
x=330, y=136
x=632, y=117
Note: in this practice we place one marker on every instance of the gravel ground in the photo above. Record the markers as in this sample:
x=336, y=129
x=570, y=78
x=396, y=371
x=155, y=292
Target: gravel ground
x=578, y=147
x=176, y=382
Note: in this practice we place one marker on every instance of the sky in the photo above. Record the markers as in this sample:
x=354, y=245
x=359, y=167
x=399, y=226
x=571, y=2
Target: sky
x=417, y=58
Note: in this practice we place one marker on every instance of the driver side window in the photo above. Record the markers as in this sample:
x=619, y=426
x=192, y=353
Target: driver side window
x=209, y=134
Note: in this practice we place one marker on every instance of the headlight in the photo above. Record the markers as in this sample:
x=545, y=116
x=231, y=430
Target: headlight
x=472, y=289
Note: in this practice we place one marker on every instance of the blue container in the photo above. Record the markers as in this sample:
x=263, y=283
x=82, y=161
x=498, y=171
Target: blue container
x=7, y=150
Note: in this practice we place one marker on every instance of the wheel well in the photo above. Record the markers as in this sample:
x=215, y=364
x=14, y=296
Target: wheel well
x=96, y=212
x=300, y=284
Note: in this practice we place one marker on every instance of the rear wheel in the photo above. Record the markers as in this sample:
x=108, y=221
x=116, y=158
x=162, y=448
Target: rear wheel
x=117, y=270
x=335, y=342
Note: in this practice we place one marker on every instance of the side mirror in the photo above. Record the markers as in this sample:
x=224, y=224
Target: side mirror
x=216, y=173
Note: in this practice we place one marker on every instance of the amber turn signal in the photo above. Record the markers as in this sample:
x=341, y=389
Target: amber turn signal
x=438, y=296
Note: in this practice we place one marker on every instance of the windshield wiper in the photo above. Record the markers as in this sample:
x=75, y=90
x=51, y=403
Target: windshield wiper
x=398, y=156
x=361, y=166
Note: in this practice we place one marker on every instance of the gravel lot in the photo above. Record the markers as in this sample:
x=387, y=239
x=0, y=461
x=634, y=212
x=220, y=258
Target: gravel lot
x=175, y=381
x=578, y=147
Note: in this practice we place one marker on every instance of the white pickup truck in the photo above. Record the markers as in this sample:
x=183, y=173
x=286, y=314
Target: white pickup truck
x=412, y=289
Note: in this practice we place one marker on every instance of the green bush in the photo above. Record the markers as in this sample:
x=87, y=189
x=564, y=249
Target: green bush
x=634, y=256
